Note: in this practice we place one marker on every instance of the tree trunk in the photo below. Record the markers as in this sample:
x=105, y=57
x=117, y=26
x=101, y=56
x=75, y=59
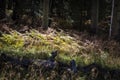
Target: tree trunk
x=45, y=14
x=115, y=24
x=94, y=15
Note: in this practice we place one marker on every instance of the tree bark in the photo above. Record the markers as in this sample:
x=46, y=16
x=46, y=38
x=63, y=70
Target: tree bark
x=94, y=15
x=45, y=14
x=115, y=24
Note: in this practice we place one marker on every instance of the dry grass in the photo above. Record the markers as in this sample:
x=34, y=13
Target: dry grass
x=79, y=46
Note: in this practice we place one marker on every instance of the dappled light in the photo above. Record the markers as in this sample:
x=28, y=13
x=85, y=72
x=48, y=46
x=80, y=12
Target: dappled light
x=59, y=40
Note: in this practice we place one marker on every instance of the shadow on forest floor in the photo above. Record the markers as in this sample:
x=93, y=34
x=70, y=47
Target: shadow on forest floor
x=50, y=69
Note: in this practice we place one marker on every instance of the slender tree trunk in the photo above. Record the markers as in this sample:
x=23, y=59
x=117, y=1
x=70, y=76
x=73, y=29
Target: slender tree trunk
x=112, y=13
x=45, y=14
x=95, y=14
x=115, y=22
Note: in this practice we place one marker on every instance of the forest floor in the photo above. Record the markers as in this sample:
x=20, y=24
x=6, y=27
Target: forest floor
x=70, y=44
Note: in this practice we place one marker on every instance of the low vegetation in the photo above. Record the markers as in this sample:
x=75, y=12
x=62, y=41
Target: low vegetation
x=38, y=45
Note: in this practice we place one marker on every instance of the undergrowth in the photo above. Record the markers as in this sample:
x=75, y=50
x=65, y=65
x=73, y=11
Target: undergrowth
x=39, y=45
